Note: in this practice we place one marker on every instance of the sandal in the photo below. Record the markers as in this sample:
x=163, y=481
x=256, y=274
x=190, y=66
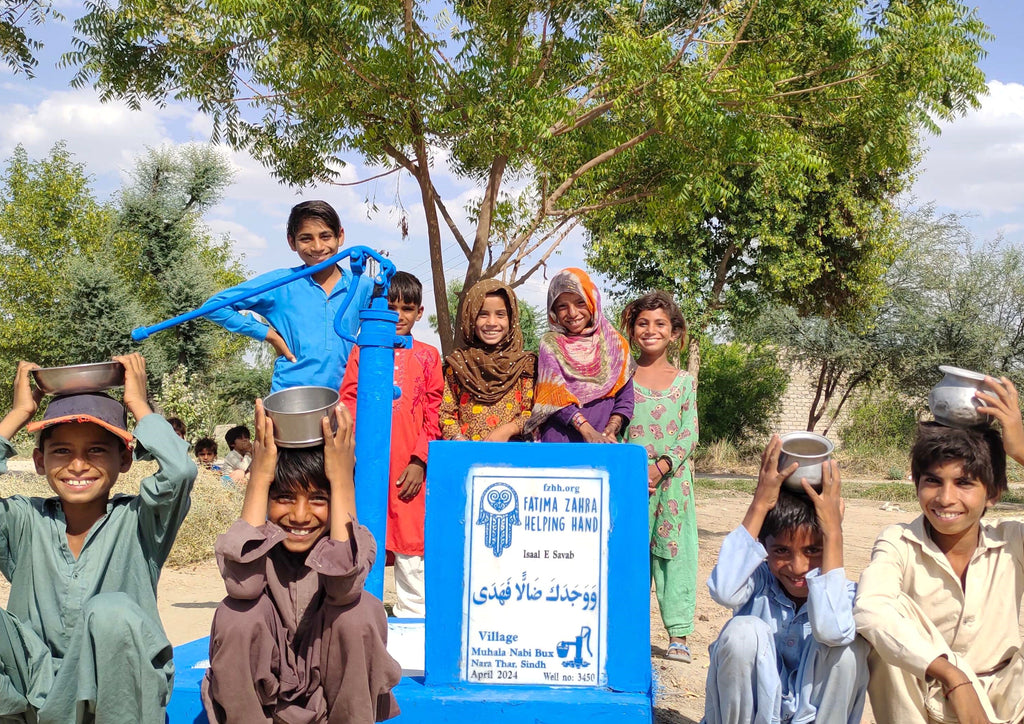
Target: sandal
x=678, y=652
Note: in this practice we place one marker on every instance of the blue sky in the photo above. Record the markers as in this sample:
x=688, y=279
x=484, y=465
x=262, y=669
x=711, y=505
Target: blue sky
x=975, y=167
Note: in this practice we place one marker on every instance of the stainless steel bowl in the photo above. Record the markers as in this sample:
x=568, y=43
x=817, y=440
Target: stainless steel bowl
x=952, y=400
x=75, y=379
x=811, y=451
x=297, y=413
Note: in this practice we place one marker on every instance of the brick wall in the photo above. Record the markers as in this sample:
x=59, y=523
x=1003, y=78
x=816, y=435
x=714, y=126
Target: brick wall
x=796, y=406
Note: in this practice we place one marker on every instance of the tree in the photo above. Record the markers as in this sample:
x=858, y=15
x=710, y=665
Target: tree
x=950, y=300
x=76, y=275
x=580, y=107
x=17, y=49
x=48, y=218
x=169, y=258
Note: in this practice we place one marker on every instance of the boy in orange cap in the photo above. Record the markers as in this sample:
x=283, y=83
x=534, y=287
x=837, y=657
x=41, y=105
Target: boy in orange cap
x=84, y=565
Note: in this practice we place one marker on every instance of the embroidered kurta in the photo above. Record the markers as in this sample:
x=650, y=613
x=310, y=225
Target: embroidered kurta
x=464, y=419
x=413, y=425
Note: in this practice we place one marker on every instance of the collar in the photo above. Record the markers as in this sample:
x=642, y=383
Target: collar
x=989, y=537
x=341, y=286
x=778, y=593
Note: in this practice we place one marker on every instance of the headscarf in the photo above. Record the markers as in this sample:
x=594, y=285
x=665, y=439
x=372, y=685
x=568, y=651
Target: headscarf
x=575, y=370
x=488, y=372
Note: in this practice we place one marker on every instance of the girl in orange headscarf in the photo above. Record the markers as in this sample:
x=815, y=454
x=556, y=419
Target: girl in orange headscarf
x=584, y=387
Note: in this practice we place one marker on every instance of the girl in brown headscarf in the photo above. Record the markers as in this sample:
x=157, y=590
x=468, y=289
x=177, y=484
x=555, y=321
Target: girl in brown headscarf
x=488, y=380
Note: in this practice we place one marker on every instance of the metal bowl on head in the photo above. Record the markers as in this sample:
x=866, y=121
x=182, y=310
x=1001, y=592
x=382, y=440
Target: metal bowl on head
x=297, y=412
x=952, y=400
x=76, y=379
x=811, y=451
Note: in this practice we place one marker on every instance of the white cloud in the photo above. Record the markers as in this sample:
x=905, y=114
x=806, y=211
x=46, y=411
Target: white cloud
x=977, y=164
x=245, y=239
x=105, y=136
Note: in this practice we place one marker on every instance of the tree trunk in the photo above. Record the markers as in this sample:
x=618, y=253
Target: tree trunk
x=444, y=320
x=693, y=363
x=485, y=220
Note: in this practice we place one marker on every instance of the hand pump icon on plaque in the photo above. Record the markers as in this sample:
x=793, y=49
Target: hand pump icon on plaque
x=577, y=661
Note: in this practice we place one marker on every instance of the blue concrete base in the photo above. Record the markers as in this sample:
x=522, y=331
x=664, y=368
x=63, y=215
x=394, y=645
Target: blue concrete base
x=443, y=704
x=517, y=704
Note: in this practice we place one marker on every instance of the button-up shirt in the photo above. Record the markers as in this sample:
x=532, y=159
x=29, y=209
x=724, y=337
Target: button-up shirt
x=977, y=621
x=303, y=314
x=123, y=551
x=742, y=581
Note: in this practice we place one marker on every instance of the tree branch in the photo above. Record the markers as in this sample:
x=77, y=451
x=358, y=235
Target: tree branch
x=451, y=224
x=735, y=42
x=596, y=161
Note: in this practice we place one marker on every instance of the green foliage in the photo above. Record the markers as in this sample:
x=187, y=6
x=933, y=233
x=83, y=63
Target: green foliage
x=17, y=49
x=76, y=275
x=880, y=422
x=48, y=217
x=184, y=396
x=780, y=123
x=167, y=255
x=739, y=392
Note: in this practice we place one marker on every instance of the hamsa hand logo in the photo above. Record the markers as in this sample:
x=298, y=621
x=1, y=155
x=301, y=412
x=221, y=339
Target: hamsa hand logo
x=499, y=511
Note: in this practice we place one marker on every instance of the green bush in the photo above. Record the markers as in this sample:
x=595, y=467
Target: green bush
x=880, y=422
x=739, y=391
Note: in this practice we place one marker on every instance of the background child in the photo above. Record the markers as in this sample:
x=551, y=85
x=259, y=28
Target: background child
x=488, y=380
x=82, y=638
x=940, y=599
x=297, y=638
x=300, y=315
x=790, y=651
x=413, y=426
x=206, y=451
x=239, y=457
x=584, y=391
x=665, y=423
x=178, y=426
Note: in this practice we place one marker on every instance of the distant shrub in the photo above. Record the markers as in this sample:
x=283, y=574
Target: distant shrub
x=881, y=422
x=739, y=392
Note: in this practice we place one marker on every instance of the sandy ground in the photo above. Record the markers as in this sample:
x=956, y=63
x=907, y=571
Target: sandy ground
x=189, y=595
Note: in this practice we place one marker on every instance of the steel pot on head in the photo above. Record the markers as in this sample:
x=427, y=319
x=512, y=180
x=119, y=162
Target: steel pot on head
x=952, y=400
x=297, y=412
x=811, y=451
x=76, y=379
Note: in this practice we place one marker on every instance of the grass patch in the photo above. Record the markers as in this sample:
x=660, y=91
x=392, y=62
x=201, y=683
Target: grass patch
x=214, y=507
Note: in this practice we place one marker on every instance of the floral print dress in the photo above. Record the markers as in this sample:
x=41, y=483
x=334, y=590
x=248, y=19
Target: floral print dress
x=665, y=423
x=462, y=418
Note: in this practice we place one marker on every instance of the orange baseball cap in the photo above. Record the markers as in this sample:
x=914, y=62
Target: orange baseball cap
x=94, y=407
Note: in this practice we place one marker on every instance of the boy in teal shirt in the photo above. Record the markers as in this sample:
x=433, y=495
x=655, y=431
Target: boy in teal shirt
x=81, y=638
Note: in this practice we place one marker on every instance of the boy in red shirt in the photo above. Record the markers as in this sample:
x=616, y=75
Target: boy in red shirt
x=414, y=423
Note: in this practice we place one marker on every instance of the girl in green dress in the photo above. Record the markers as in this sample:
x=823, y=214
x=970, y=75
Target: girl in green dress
x=665, y=423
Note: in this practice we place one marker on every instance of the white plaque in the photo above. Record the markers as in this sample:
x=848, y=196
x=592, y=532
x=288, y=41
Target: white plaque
x=535, y=605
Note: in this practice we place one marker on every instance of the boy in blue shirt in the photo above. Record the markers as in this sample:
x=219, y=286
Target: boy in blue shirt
x=790, y=652
x=300, y=315
x=81, y=638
